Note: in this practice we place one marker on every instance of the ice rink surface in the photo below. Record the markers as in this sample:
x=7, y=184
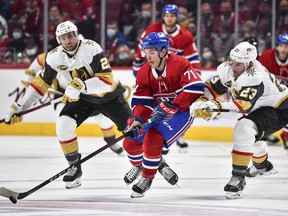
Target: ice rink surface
x=203, y=170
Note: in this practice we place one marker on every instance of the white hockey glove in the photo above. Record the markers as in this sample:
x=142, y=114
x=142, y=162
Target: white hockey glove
x=12, y=116
x=28, y=77
x=73, y=90
x=202, y=107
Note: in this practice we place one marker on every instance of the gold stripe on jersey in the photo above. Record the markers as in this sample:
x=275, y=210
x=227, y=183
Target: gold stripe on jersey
x=216, y=87
x=109, y=132
x=241, y=159
x=282, y=102
x=68, y=148
x=106, y=76
x=245, y=105
x=39, y=83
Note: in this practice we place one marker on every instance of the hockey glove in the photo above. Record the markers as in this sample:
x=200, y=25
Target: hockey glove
x=202, y=109
x=73, y=91
x=12, y=116
x=134, y=127
x=163, y=112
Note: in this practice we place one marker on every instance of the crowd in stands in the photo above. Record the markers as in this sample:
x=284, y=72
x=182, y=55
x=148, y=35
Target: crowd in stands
x=21, y=26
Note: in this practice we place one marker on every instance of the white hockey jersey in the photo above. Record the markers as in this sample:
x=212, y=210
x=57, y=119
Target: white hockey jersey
x=253, y=89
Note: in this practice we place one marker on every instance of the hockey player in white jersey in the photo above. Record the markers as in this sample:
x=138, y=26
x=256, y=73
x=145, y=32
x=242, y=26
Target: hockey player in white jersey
x=59, y=84
x=259, y=94
x=92, y=88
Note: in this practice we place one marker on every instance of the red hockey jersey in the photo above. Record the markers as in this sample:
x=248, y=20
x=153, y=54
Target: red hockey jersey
x=179, y=84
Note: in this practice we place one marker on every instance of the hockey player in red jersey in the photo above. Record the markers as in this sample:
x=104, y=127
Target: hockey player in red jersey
x=264, y=101
x=276, y=62
x=165, y=87
x=181, y=43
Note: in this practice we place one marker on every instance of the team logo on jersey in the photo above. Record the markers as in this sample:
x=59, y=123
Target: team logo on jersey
x=62, y=67
x=251, y=71
x=90, y=42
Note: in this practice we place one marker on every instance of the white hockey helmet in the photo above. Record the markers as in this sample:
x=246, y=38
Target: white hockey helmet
x=64, y=28
x=244, y=52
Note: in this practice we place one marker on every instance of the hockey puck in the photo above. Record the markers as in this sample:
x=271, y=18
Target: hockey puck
x=13, y=199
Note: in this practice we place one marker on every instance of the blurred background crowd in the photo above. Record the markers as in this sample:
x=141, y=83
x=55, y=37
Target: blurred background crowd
x=217, y=25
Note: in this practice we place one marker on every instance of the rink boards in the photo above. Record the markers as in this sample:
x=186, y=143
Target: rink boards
x=42, y=122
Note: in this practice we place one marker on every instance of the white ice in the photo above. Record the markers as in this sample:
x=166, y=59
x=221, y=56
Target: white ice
x=204, y=169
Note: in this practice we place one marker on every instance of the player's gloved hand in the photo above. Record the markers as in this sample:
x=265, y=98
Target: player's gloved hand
x=163, y=112
x=73, y=90
x=134, y=127
x=12, y=115
x=202, y=107
x=28, y=78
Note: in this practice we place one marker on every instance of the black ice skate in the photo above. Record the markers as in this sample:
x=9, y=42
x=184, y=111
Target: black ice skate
x=272, y=140
x=141, y=187
x=165, y=151
x=235, y=187
x=72, y=178
x=116, y=148
x=181, y=143
x=132, y=174
x=169, y=175
x=264, y=169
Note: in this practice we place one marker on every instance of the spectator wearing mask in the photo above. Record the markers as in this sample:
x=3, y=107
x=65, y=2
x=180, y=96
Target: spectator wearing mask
x=208, y=60
x=224, y=41
x=226, y=15
x=123, y=56
x=114, y=38
x=140, y=23
x=19, y=38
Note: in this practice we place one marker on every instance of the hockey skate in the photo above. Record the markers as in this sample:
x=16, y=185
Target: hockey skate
x=264, y=169
x=169, y=175
x=116, y=148
x=72, y=178
x=165, y=151
x=132, y=174
x=181, y=143
x=235, y=187
x=141, y=187
x=272, y=140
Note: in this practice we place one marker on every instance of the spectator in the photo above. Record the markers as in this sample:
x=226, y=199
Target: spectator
x=19, y=38
x=55, y=17
x=226, y=15
x=184, y=18
x=82, y=13
x=262, y=18
x=249, y=31
x=282, y=17
x=123, y=56
x=4, y=39
x=224, y=42
x=114, y=38
x=140, y=23
x=32, y=49
x=208, y=59
x=32, y=17
x=207, y=21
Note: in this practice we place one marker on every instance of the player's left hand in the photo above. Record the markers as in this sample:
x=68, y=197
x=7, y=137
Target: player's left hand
x=134, y=127
x=202, y=109
x=73, y=90
x=163, y=112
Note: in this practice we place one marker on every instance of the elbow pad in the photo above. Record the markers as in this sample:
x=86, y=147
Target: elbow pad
x=97, y=86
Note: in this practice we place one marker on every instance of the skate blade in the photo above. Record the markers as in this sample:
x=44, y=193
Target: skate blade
x=74, y=184
x=137, y=195
x=270, y=172
x=234, y=195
